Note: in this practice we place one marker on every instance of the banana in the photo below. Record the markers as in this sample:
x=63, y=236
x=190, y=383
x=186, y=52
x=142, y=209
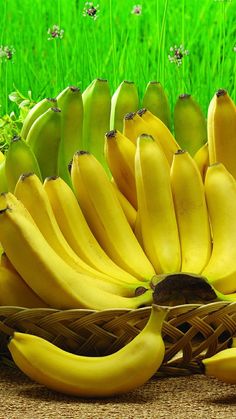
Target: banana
x=222, y=365
x=15, y=292
x=160, y=133
x=97, y=107
x=155, y=206
x=156, y=101
x=221, y=125
x=2, y=156
x=120, y=153
x=191, y=213
x=71, y=105
x=99, y=376
x=129, y=127
x=220, y=190
x=3, y=178
x=201, y=157
x=29, y=190
x=129, y=211
x=48, y=275
x=125, y=99
x=36, y=111
x=20, y=158
x=189, y=124
x=44, y=139
x=5, y=262
x=105, y=216
x=76, y=231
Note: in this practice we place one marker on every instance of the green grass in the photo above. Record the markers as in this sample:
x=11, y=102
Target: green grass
x=117, y=46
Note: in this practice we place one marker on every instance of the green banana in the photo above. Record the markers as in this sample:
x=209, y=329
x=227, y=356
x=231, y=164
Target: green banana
x=189, y=124
x=3, y=179
x=44, y=138
x=156, y=101
x=20, y=159
x=124, y=100
x=34, y=113
x=97, y=107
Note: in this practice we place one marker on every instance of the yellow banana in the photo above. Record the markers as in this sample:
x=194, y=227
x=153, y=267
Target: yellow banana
x=222, y=365
x=48, y=275
x=76, y=231
x=2, y=156
x=119, y=153
x=125, y=99
x=3, y=178
x=221, y=123
x=15, y=292
x=129, y=127
x=220, y=190
x=37, y=110
x=29, y=190
x=129, y=211
x=155, y=206
x=201, y=157
x=105, y=216
x=86, y=376
x=191, y=213
x=156, y=101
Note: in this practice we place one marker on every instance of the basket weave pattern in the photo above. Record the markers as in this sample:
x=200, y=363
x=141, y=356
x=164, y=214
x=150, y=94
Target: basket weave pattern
x=190, y=332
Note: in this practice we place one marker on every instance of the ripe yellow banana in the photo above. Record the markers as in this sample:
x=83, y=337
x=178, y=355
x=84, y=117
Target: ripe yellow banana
x=29, y=190
x=48, y=275
x=125, y=99
x=156, y=101
x=37, y=110
x=86, y=376
x=120, y=153
x=201, y=157
x=105, y=216
x=220, y=190
x=76, y=231
x=129, y=211
x=221, y=123
x=155, y=206
x=222, y=365
x=191, y=213
x=15, y=292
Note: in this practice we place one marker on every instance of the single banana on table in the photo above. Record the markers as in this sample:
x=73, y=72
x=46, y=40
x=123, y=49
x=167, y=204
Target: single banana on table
x=191, y=213
x=124, y=100
x=221, y=126
x=156, y=211
x=102, y=376
x=156, y=101
x=220, y=190
x=105, y=216
x=120, y=154
x=201, y=157
x=44, y=138
x=189, y=124
x=222, y=365
x=47, y=274
x=37, y=110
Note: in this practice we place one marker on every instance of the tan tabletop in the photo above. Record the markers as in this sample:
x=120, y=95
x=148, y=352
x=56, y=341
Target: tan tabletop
x=191, y=397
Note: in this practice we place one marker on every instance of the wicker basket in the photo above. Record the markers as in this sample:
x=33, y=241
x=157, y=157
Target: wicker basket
x=190, y=332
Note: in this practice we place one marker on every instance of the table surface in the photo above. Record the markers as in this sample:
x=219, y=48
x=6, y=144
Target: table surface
x=190, y=397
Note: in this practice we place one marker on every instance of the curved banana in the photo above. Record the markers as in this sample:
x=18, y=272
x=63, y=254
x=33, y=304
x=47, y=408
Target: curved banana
x=220, y=190
x=201, y=157
x=37, y=110
x=44, y=138
x=189, y=124
x=221, y=125
x=156, y=101
x=76, y=231
x=48, y=275
x=29, y=190
x=222, y=365
x=20, y=158
x=86, y=376
x=105, y=216
x=191, y=213
x=15, y=292
x=120, y=153
x=155, y=206
x=125, y=99
x=129, y=211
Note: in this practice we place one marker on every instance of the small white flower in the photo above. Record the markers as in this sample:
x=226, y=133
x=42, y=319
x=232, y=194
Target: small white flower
x=177, y=55
x=6, y=52
x=55, y=32
x=137, y=9
x=91, y=11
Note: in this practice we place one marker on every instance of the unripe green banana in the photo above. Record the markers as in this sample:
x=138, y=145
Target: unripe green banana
x=124, y=100
x=35, y=112
x=189, y=124
x=20, y=159
x=3, y=179
x=71, y=105
x=97, y=107
x=156, y=101
x=44, y=139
